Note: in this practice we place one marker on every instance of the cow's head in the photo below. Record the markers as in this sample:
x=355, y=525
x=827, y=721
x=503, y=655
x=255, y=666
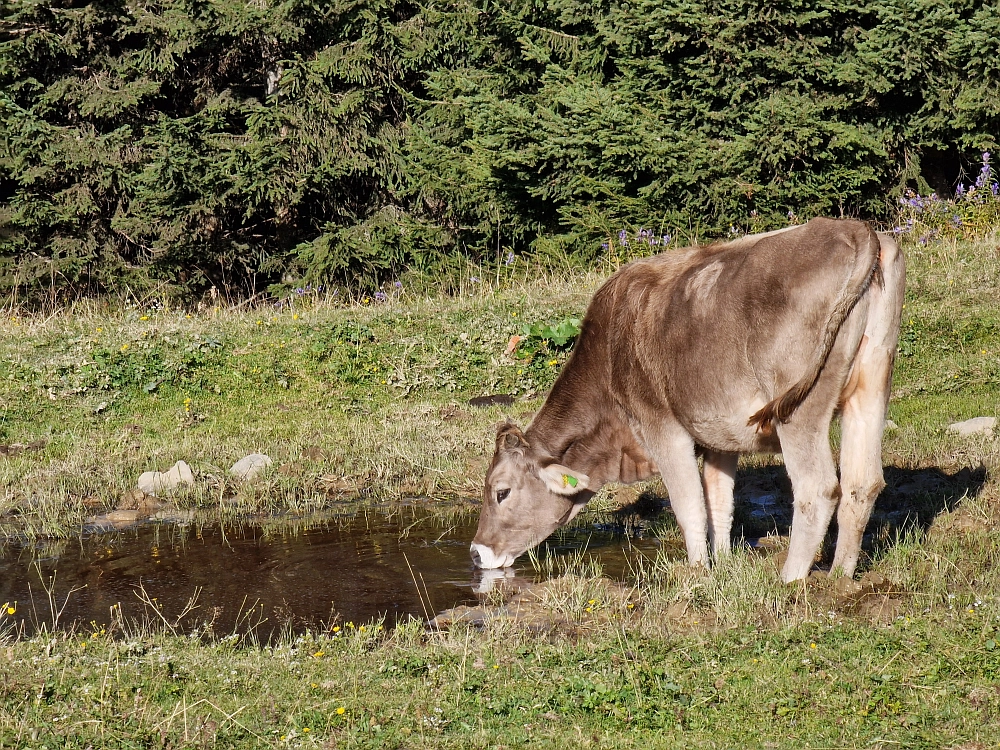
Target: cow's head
x=528, y=495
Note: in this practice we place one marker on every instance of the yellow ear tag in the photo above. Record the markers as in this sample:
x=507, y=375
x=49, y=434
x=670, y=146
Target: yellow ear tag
x=569, y=481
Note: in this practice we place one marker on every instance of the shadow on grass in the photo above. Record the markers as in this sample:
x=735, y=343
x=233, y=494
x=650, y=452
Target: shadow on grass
x=910, y=502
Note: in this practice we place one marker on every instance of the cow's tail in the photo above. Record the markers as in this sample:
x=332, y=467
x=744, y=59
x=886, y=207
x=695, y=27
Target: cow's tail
x=866, y=268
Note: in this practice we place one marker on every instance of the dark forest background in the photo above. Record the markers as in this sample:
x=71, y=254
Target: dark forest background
x=242, y=143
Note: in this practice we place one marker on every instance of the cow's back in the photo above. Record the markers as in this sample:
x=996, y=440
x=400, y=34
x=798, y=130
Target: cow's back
x=712, y=334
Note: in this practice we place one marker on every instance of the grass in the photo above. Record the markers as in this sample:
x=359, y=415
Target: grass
x=362, y=402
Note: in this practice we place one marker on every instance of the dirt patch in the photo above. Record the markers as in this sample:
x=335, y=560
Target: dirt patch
x=874, y=597
x=497, y=399
x=14, y=449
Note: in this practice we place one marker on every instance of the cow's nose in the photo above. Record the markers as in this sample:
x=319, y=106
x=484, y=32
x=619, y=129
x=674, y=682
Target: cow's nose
x=485, y=558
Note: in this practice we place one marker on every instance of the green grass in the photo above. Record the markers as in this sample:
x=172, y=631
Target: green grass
x=362, y=402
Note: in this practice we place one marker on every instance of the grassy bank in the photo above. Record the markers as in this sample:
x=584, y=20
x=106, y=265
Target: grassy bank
x=368, y=400
x=924, y=682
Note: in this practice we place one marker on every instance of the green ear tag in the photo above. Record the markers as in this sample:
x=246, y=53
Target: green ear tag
x=569, y=480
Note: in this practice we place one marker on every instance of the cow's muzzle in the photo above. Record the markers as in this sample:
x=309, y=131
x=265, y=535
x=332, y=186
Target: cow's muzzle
x=483, y=557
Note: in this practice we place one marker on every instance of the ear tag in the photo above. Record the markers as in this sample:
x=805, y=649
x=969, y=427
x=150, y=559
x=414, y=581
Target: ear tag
x=569, y=481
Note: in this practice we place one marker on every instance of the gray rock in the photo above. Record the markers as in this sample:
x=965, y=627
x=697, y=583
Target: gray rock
x=976, y=426
x=250, y=466
x=156, y=482
x=890, y=425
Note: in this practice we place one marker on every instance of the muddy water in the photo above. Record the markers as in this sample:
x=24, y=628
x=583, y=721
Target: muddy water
x=266, y=577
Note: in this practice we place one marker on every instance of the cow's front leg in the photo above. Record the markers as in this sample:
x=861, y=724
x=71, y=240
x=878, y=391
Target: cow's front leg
x=718, y=480
x=673, y=451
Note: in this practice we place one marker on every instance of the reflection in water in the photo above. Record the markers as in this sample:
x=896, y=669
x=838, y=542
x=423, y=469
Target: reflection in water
x=398, y=565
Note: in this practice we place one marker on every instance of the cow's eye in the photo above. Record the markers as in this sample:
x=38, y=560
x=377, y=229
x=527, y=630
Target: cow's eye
x=502, y=495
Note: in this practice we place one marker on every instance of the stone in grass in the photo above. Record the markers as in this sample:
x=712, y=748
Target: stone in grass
x=155, y=482
x=976, y=426
x=250, y=466
x=140, y=501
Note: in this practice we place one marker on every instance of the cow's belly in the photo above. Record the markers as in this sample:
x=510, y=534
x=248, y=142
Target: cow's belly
x=730, y=433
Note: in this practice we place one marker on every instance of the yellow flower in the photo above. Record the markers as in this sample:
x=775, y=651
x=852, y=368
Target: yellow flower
x=592, y=601
x=260, y=322
x=295, y=316
x=144, y=317
x=336, y=629
x=553, y=362
x=361, y=628
x=99, y=330
x=124, y=347
x=496, y=666
x=318, y=654
x=306, y=729
x=188, y=316
x=11, y=608
x=812, y=645
x=340, y=711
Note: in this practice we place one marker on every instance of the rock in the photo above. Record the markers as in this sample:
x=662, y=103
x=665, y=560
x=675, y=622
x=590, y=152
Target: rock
x=975, y=426
x=140, y=501
x=123, y=516
x=178, y=475
x=890, y=425
x=250, y=466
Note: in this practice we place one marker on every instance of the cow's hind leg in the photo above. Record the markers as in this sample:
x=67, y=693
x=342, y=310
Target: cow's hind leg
x=718, y=479
x=865, y=401
x=810, y=466
x=862, y=421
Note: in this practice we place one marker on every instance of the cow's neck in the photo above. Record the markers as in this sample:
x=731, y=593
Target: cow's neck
x=584, y=432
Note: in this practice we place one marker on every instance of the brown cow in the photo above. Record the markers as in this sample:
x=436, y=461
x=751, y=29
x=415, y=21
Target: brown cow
x=750, y=345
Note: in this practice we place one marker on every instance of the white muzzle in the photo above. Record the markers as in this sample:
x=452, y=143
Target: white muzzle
x=483, y=557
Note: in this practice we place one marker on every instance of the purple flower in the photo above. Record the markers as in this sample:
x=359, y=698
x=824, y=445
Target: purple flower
x=510, y=259
x=474, y=279
x=623, y=237
x=398, y=284
x=604, y=246
x=960, y=190
x=381, y=296
x=666, y=239
x=957, y=221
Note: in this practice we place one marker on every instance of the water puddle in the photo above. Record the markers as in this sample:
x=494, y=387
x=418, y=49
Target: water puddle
x=264, y=577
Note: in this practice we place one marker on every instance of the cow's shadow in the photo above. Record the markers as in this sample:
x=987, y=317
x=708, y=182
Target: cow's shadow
x=906, y=508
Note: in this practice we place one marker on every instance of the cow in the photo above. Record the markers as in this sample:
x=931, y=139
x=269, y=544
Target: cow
x=752, y=345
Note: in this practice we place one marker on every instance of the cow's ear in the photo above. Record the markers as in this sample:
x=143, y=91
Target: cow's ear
x=510, y=437
x=564, y=481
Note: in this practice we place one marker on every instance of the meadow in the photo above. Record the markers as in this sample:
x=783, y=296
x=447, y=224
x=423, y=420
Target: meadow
x=363, y=400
